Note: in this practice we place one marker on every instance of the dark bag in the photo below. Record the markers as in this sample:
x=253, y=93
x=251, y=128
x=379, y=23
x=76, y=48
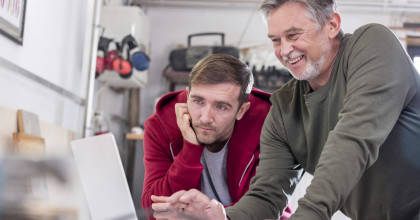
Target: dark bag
x=184, y=59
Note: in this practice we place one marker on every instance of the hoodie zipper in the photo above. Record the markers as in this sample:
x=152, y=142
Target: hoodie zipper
x=247, y=166
x=170, y=148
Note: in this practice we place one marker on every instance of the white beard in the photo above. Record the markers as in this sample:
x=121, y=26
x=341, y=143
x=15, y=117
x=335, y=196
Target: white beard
x=313, y=68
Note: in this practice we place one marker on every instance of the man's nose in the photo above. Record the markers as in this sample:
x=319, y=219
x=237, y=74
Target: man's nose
x=206, y=114
x=286, y=48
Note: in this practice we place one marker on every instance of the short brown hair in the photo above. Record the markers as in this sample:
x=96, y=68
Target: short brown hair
x=223, y=68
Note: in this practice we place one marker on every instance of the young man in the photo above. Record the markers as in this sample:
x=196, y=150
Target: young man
x=351, y=118
x=207, y=136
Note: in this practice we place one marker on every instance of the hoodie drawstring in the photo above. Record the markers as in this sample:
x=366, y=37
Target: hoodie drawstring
x=247, y=166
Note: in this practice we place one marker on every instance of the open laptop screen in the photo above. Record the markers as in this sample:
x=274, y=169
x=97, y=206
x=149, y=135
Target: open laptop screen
x=103, y=179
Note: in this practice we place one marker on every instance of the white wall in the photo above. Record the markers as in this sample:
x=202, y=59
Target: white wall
x=54, y=48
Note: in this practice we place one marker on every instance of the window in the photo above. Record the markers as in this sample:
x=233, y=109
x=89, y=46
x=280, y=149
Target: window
x=414, y=52
x=417, y=63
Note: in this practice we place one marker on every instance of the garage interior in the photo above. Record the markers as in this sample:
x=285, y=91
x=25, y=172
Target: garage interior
x=53, y=93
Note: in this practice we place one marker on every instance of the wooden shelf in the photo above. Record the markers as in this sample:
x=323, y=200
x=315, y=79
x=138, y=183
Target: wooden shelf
x=413, y=41
x=132, y=136
x=412, y=34
x=404, y=28
x=176, y=77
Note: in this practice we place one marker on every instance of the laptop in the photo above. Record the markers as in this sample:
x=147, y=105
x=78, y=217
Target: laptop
x=103, y=178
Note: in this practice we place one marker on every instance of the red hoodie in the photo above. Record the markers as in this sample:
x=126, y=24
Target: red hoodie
x=173, y=164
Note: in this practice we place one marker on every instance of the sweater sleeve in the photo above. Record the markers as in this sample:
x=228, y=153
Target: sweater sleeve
x=276, y=177
x=380, y=83
x=166, y=173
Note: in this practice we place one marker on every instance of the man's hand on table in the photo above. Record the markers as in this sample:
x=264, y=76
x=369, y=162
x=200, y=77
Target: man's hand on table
x=187, y=205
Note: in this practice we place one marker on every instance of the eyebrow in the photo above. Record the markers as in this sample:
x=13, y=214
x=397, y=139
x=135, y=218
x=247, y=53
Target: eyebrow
x=217, y=102
x=224, y=103
x=292, y=29
x=196, y=97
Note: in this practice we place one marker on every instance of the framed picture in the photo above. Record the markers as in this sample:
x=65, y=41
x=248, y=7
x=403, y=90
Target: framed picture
x=12, y=19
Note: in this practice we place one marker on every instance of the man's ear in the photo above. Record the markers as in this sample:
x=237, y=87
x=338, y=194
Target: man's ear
x=333, y=25
x=242, y=110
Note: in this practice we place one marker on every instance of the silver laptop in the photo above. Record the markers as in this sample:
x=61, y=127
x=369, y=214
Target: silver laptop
x=103, y=179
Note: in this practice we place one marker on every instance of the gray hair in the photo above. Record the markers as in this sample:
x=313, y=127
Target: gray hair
x=318, y=10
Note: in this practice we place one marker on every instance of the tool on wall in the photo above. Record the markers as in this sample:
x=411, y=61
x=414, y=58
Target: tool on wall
x=100, y=123
x=104, y=58
x=127, y=55
x=270, y=77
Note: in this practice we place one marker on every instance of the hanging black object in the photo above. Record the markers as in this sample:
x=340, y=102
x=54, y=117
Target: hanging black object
x=184, y=59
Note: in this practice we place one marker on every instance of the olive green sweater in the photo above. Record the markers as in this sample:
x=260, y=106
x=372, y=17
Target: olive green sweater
x=359, y=136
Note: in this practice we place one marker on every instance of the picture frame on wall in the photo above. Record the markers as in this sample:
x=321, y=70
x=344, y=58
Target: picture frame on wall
x=12, y=19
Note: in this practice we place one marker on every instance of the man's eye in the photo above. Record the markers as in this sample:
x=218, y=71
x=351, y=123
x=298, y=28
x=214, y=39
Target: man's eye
x=293, y=36
x=220, y=107
x=198, y=101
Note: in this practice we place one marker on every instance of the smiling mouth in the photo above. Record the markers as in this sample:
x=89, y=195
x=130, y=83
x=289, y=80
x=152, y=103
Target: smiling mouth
x=295, y=60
